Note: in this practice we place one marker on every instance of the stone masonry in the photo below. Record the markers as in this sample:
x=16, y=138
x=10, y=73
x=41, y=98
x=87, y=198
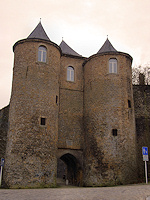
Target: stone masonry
x=142, y=112
x=70, y=117
x=106, y=108
x=3, y=130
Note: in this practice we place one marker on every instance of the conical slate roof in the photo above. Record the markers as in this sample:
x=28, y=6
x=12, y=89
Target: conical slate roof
x=39, y=33
x=107, y=46
x=67, y=50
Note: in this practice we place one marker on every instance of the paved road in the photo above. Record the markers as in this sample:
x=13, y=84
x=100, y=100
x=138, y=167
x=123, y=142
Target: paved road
x=134, y=192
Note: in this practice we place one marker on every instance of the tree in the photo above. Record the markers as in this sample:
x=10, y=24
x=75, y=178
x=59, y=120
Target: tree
x=142, y=72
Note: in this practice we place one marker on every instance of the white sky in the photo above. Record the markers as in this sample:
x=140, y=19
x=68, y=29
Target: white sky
x=84, y=25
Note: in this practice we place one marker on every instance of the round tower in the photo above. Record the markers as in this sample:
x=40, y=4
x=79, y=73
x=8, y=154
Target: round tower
x=33, y=120
x=109, y=153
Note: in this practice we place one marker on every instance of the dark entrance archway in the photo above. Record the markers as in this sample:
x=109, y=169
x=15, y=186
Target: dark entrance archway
x=69, y=170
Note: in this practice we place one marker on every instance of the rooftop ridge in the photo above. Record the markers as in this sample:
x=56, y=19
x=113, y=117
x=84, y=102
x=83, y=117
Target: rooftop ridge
x=107, y=46
x=66, y=49
x=39, y=33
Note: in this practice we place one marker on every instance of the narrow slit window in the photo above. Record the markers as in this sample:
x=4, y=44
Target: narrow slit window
x=129, y=104
x=42, y=51
x=114, y=132
x=43, y=121
x=56, y=99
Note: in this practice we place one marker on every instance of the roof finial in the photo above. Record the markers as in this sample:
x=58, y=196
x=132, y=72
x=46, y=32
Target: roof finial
x=107, y=36
x=62, y=38
x=40, y=20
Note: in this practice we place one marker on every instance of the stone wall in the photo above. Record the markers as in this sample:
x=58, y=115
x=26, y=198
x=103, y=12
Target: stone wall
x=71, y=105
x=142, y=117
x=3, y=130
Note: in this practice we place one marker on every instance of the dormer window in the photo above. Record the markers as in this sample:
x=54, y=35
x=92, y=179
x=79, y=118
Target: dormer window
x=42, y=54
x=113, y=65
x=70, y=74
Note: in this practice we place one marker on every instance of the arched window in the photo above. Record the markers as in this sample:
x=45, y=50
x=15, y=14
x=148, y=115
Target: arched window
x=70, y=73
x=113, y=65
x=42, y=54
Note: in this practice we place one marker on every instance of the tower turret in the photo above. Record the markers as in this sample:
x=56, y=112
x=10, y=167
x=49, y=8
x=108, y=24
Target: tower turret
x=33, y=118
x=109, y=153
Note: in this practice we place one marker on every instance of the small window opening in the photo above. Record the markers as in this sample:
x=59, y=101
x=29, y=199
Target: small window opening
x=56, y=99
x=129, y=104
x=43, y=121
x=70, y=73
x=42, y=54
x=114, y=132
x=113, y=65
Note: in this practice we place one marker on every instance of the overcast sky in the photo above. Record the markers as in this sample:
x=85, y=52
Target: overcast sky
x=84, y=25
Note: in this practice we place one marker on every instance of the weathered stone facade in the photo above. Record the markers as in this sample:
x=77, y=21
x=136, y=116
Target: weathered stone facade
x=3, y=130
x=88, y=122
x=108, y=158
x=31, y=148
x=142, y=117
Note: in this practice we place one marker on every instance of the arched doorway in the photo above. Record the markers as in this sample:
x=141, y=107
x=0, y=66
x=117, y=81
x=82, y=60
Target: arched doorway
x=69, y=170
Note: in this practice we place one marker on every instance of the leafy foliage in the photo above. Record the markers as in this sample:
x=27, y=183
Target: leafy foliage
x=141, y=75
